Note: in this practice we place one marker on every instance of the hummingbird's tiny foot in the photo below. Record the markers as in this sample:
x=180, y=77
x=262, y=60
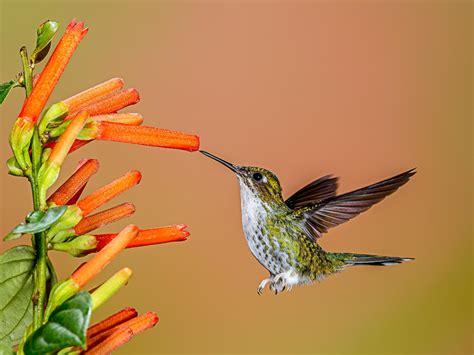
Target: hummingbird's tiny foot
x=284, y=281
x=262, y=286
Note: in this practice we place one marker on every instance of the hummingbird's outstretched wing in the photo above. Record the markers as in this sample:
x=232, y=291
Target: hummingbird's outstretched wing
x=319, y=190
x=318, y=218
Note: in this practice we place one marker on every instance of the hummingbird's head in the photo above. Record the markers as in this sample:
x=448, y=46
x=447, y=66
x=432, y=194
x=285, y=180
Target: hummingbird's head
x=258, y=182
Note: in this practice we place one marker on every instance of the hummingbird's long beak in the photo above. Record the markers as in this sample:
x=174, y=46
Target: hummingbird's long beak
x=222, y=161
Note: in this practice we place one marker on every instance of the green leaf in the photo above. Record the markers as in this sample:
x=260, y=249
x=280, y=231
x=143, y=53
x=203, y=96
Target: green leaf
x=44, y=36
x=5, y=89
x=16, y=290
x=67, y=326
x=13, y=167
x=35, y=216
x=37, y=221
x=38, y=57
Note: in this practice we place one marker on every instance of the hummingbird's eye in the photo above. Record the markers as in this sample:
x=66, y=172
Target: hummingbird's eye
x=257, y=176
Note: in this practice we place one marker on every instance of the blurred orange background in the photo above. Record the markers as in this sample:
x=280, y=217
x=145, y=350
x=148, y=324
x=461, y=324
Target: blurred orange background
x=360, y=89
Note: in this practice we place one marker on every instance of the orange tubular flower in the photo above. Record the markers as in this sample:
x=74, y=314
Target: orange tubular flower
x=53, y=70
x=74, y=185
x=136, y=325
x=87, y=271
x=112, y=321
x=141, y=323
x=76, y=197
x=105, y=217
x=77, y=102
x=157, y=137
x=174, y=233
x=49, y=171
x=65, y=142
x=108, y=192
x=113, y=102
x=112, y=342
x=132, y=119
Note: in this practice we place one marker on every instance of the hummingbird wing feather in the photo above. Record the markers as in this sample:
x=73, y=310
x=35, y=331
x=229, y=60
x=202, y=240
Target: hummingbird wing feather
x=319, y=217
x=319, y=190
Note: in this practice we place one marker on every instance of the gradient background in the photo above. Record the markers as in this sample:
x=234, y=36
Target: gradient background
x=363, y=90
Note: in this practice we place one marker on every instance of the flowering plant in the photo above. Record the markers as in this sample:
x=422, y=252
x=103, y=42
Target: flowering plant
x=38, y=313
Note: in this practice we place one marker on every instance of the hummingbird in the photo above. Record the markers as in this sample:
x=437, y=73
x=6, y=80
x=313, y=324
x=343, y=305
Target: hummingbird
x=283, y=234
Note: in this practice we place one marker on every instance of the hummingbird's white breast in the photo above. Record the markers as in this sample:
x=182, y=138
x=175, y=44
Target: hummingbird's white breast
x=265, y=248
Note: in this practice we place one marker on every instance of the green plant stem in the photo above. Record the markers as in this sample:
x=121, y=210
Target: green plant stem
x=39, y=239
x=27, y=71
x=41, y=251
x=40, y=280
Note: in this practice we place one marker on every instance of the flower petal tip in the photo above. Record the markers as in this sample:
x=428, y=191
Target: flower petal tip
x=126, y=271
x=181, y=227
x=134, y=95
x=93, y=162
x=136, y=175
x=131, y=228
x=71, y=24
x=183, y=233
x=153, y=317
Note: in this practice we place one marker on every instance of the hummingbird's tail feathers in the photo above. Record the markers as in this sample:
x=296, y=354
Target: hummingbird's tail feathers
x=339, y=209
x=365, y=259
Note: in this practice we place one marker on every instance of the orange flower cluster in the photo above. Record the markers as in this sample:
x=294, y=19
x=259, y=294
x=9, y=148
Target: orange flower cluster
x=69, y=193
x=66, y=126
x=102, y=102
x=119, y=328
x=116, y=330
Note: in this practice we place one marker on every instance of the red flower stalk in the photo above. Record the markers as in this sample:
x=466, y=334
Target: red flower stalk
x=76, y=183
x=114, y=102
x=109, y=191
x=87, y=271
x=145, y=237
x=157, y=137
x=132, y=119
x=112, y=321
x=78, y=143
x=77, y=102
x=103, y=218
x=136, y=325
x=53, y=70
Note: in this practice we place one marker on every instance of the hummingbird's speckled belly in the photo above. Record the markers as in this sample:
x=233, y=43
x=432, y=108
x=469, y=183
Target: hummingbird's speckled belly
x=264, y=236
x=265, y=244
x=272, y=258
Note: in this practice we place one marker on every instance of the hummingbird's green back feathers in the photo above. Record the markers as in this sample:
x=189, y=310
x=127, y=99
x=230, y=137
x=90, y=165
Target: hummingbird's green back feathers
x=333, y=211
